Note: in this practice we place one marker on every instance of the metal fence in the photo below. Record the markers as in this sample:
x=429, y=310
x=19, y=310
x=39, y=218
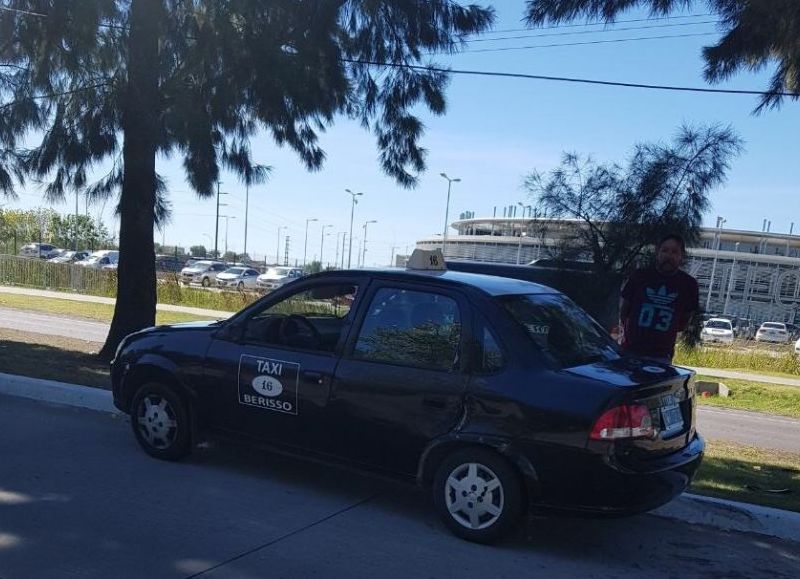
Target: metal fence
x=35, y=273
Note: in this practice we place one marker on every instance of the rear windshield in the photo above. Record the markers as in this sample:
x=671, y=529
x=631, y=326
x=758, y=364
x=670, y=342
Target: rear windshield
x=719, y=324
x=560, y=329
x=773, y=326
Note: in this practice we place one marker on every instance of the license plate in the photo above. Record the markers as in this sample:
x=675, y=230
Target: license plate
x=672, y=418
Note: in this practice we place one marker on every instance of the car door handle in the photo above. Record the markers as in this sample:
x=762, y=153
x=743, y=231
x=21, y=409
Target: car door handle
x=317, y=377
x=438, y=403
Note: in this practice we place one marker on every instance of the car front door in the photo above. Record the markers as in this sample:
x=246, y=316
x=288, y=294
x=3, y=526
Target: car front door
x=270, y=375
x=401, y=381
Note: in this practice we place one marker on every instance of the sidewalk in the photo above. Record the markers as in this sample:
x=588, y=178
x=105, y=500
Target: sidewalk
x=23, y=291
x=735, y=375
x=689, y=508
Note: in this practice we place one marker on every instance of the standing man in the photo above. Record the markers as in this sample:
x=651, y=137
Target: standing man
x=657, y=302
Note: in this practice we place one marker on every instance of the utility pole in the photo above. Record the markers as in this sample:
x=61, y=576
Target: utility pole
x=364, y=255
x=286, y=251
x=352, y=212
x=322, y=244
x=216, y=221
x=278, y=249
x=720, y=222
x=344, y=241
x=226, y=218
x=336, y=259
x=305, y=245
x=246, y=207
x=75, y=243
x=391, y=259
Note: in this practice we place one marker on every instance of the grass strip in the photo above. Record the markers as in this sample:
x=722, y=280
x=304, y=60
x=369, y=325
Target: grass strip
x=748, y=474
x=760, y=359
x=770, y=398
x=52, y=358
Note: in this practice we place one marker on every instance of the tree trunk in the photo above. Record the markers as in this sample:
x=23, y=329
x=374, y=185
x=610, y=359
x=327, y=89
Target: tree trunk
x=136, y=282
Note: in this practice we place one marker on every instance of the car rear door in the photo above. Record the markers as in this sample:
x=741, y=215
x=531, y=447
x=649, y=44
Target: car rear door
x=401, y=381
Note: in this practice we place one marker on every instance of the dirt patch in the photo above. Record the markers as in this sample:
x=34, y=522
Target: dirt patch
x=52, y=358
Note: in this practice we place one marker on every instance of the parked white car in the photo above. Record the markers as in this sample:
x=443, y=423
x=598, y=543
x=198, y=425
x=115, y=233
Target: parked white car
x=717, y=330
x=202, y=272
x=774, y=332
x=40, y=250
x=99, y=259
x=276, y=277
x=70, y=256
x=238, y=277
x=797, y=347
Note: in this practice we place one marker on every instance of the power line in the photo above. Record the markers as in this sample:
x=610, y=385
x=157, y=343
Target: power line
x=603, y=22
x=590, y=42
x=566, y=79
x=625, y=29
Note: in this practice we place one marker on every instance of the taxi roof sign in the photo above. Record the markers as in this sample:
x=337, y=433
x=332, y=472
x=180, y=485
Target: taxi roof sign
x=427, y=260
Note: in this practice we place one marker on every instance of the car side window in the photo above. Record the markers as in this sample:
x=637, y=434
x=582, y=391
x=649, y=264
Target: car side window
x=491, y=355
x=309, y=319
x=410, y=328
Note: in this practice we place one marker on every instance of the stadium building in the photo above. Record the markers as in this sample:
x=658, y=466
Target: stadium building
x=748, y=274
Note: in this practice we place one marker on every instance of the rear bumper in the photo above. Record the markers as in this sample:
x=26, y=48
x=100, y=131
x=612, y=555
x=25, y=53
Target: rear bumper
x=599, y=484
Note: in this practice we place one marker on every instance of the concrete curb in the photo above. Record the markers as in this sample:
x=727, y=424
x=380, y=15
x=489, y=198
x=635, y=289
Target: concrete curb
x=733, y=516
x=693, y=509
x=57, y=393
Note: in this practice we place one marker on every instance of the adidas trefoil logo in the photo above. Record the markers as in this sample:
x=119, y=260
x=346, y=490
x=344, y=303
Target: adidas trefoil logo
x=660, y=297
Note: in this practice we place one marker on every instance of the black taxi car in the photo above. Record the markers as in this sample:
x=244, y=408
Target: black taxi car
x=497, y=393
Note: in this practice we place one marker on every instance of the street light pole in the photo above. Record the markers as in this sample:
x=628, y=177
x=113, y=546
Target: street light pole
x=246, y=210
x=720, y=222
x=447, y=208
x=305, y=245
x=519, y=247
x=730, y=281
x=216, y=221
x=344, y=242
x=278, y=250
x=226, y=218
x=352, y=212
x=364, y=255
x=322, y=244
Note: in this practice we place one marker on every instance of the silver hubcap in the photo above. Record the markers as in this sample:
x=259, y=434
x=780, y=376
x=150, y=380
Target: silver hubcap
x=157, y=422
x=474, y=496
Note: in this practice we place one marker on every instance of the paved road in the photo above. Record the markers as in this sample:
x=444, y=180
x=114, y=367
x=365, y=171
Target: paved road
x=50, y=324
x=751, y=428
x=78, y=499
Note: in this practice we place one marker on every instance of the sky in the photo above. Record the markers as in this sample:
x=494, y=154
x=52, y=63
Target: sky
x=496, y=131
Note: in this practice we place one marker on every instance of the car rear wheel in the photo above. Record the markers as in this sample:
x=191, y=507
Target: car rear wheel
x=160, y=422
x=478, y=495
x=240, y=286
x=206, y=282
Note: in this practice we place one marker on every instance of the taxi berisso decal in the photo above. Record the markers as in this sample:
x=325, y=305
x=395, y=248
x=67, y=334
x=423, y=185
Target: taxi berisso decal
x=268, y=384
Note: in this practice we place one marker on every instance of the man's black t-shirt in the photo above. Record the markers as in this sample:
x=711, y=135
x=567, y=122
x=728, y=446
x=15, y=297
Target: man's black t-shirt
x=660, y=306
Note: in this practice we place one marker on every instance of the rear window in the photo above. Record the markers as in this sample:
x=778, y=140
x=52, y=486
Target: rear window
x=773, y=326
x=719, y=324
x=560, y=329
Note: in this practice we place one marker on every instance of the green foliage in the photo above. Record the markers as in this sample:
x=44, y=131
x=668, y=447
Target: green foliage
x=771, y=398
x=36, y=273
x=755, y=34
x=198, y=251
x=624, y=209
x=313, y=267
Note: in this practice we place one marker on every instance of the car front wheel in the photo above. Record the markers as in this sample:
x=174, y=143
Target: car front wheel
x=206, y=282
x=478, y=495
x=160, y=422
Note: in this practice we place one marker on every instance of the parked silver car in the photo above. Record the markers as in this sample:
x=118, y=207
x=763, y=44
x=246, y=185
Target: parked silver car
x=70, y=257
x=276, y=277
x=202, y=272
x=238, y=277
x=40, y=250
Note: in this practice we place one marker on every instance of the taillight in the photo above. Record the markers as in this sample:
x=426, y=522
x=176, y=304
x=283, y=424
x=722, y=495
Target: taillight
x=621, y=422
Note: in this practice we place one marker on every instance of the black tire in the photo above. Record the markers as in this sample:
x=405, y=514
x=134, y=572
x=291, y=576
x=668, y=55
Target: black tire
x=506, y=499
x=154, y=407
x=240, y=286
x=206, y=282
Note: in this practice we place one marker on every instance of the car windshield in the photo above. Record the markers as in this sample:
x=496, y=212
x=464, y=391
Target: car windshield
x=235, y=270
x=719, y=324
x=278, y=272
x=563, y=331
x=773, y=326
